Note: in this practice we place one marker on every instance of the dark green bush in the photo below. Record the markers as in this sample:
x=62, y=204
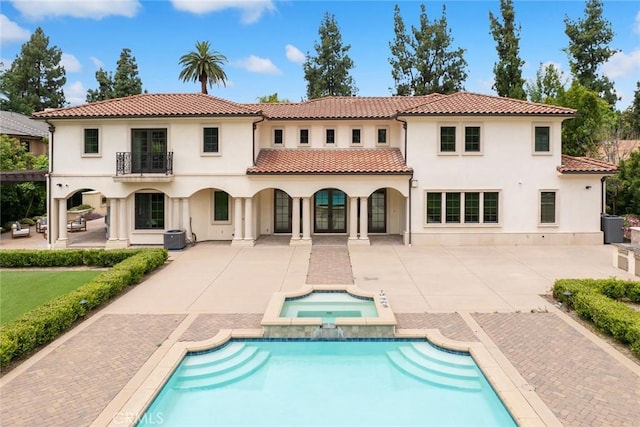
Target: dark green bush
x=45, y=323
x=596, y=300
x=64, y=258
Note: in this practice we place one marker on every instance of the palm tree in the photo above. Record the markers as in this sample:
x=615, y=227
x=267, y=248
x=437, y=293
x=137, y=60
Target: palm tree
x=203, y=65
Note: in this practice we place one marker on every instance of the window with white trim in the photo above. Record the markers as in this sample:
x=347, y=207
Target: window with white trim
x=149, y=211
x=278, y=137
x=381, y=135
x=542, y=139
x=210, y=140
x=472, y=139
x=330, y=136
x=447, y=139
x=548, y=207
x=457, y=207
x=91, y=141
x=356, y=136
x=304, y=137
x=221, y=206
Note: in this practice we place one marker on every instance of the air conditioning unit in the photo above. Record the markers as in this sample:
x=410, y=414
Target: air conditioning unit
x=175, y=239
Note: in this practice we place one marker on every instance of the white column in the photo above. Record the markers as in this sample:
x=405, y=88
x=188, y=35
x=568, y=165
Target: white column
x=295, y=218
x=306, y=219
x=175, y=214
x=123, y=222
x=353, y=218
x=186, y=216
x=248, y=220
x=407, y=219
x=61, y=241
x=237, y=220
x=113, y=219
x=364, y=225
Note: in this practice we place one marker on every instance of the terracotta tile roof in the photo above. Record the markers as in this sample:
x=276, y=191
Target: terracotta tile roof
x=586, y=165
x=343, y=107
x=330, y=161
x=153, y=105
x=478, y=104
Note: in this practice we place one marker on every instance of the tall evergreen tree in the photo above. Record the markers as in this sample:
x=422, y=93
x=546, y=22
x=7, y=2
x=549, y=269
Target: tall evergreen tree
x=126, y=80
x=327, y=74
x=548, y=86
x=588, y=49
x=426, y=63
x=508, y=70
x=105, y=87
x=35, y=79
x=203, y=65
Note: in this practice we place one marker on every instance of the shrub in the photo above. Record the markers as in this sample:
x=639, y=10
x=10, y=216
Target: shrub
x=80, y=208
x=45, y=323
x=595, y=300
x=27, y=221
x=629, y=221
x=64, y=258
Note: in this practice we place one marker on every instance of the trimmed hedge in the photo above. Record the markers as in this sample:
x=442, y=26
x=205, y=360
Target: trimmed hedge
x=597, y=301
x=64, y=258
x=45, y=323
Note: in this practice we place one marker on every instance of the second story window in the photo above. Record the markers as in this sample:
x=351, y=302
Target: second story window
x=355, y=136
x=542, y=139
x=447, y=139
x=472, y=139
x=278, y=137
x=304, y=136
x=382, y=136
x=331, y=136
x=91, y=143
x=210, y=143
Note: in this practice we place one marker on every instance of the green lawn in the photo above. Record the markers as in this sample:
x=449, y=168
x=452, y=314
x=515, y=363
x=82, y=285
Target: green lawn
x=21, y=291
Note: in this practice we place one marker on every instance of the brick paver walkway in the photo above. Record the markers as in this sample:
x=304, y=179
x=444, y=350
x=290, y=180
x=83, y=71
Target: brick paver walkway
x=580, y=383
x=329, y=265
x=206, y=326
x=75, y=382
x=451, y=325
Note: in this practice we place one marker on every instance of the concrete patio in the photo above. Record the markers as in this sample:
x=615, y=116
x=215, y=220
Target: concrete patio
x=487, y=294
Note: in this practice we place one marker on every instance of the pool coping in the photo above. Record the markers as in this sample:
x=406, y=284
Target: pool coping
x=129, y=407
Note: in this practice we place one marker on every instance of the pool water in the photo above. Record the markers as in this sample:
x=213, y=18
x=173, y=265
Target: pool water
x=345, y=383
x=328, y=306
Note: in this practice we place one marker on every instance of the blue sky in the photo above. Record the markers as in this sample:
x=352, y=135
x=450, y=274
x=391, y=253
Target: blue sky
x=265, y=41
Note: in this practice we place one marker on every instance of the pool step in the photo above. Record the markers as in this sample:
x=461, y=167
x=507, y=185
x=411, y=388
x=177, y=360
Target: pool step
x=435, y=366
x=430, y=352
x=227, y=352
x=243, y=368
x=409, y=367
x=212, y=369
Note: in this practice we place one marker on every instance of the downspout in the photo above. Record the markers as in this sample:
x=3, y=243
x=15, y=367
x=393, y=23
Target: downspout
x=404, y=126
x=255, y=126
x=603, y=195
x=52, y=131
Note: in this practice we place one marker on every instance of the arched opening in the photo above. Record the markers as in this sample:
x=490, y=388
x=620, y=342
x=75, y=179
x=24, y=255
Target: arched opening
x=330, y=211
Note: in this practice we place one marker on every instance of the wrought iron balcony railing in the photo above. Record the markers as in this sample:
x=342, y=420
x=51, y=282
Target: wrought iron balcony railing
x=128, y=163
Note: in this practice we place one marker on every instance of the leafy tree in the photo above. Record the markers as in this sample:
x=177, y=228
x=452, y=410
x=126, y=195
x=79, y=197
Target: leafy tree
x=126, y=80
x=21, y=200
x=203, y=65
x=629, y=176
x=105, y=87
x=271, y=99
x=426, y=63
x=35, y=79
x=583, y=134
x=327, y=74
x=508, y=71
x=548, y=86
x=588, y=49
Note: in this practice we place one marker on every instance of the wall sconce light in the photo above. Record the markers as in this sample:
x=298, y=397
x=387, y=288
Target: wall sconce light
x=414, y=183
x=59, y=185
x=588, y=187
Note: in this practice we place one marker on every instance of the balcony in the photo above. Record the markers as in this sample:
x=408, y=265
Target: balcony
x=144, y=167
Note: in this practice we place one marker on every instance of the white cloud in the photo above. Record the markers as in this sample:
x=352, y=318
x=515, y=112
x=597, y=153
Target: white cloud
x=11, y=32
x=96, y=62
x=256, y=64
x=294, y=54
x=96, y=9
x=75, y=93
x=622, y=64
x=252, y=10
x=70, y=63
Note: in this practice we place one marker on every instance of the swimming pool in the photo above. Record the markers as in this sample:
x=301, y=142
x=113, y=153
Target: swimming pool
x=346, y=383
x=328, y=306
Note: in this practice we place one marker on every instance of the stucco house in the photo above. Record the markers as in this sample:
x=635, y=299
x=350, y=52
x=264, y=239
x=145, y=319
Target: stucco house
x=463, y=168
x=29, y=132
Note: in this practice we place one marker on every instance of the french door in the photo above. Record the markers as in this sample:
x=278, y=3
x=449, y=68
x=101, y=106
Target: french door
x=330, y=211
